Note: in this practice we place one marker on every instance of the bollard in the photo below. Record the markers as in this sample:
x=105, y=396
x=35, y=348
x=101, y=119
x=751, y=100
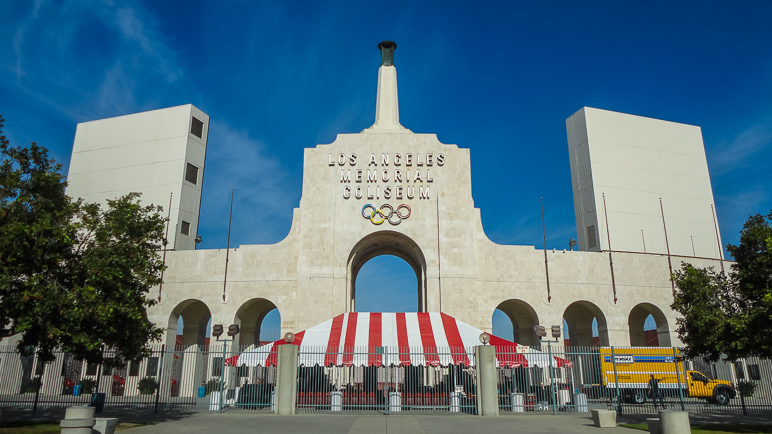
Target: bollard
x=395, y=401
x=336, y=400
x=654, y=425
x=487, y=393
x=674, y=422
x=580, y=399
x=79, y=412
x=78, y=420
x=517, y=401
x=287, y=380
x=105, y=425
x=604, y=418
x=455, y=402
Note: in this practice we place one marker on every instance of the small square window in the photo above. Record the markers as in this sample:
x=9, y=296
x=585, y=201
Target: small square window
x=197, y=128
x=134, y=368
x=591, y=240
x=191, y=174
x=185, y=228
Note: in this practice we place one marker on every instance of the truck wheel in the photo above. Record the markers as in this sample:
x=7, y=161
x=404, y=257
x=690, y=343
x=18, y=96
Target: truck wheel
x=720, y=396
x=638, y=397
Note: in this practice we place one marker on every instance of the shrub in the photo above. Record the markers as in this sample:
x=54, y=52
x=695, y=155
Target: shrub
x=33, y=384
x=87, y=386
x=213, y=385
x=147, y=386
x=746, y=388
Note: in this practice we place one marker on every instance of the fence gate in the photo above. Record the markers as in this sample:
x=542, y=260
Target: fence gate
x=376, y=380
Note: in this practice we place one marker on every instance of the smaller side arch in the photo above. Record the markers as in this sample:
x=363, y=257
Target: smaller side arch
x=579, y=317
x=249, y=318
x=637, y=320
x=195, y=316
x=523, y=318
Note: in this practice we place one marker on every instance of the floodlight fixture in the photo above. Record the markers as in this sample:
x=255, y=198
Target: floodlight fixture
x=571, y=244
x=556, y=331
x=233, y=330
x=540, y=331
x=217, y=330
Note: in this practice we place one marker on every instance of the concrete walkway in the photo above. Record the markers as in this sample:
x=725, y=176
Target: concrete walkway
x=233, y=422
x=353, y=424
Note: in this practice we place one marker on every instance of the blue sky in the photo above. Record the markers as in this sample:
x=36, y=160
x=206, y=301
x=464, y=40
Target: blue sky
x=497, y=77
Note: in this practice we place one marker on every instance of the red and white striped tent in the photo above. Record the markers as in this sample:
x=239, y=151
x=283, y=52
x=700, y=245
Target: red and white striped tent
x=376, y=339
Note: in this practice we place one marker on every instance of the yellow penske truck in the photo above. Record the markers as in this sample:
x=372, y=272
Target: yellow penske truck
x=636, y=365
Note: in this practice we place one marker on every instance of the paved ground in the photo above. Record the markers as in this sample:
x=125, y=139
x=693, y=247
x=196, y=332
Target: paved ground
x=232, y=422
x=353, y=424
x=409, y=424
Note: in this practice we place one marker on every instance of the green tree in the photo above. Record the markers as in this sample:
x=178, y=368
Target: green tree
x=73, y=276
x=729, y=315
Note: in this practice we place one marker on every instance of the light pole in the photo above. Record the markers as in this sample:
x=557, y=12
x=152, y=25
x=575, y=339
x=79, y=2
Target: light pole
x=542, y=332
x=217, y=331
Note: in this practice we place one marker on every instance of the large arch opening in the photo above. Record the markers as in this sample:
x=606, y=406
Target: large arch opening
x=515, y=319
x=256, y=320
x=387, y=243
x=586, y=325
x=648, y=326
x=189, y=319
x=386, y=283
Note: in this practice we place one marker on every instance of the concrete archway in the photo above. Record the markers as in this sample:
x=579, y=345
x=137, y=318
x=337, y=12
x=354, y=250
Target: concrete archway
x=523, y=318
x=579, y=317
x=636, y=322
x=250, y=318
x=195, y=315
x=385, y=243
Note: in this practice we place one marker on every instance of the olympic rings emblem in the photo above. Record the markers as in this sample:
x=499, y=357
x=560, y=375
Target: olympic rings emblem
x=386, y=213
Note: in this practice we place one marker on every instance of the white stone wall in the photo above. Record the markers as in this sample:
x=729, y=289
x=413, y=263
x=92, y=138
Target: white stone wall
x=144, y=152
x=635, y=161
x=308, y=275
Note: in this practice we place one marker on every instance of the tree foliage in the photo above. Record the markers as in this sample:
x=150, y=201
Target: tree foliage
x=73, y=276
x=729, y=315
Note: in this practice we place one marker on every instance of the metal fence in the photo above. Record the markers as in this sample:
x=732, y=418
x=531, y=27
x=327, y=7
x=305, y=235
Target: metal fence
x=558, y=380
x=622, y=379
x=175, y=379
x=376, y=379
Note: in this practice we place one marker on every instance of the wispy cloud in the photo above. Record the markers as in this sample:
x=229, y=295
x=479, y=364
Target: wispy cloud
x=263, y=201
x=727, y=156
x=87, y=60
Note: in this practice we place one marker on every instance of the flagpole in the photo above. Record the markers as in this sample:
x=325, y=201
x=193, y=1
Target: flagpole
x=227, y=248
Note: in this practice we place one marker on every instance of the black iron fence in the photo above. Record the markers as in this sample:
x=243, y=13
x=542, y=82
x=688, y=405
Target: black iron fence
x=379, y=379
x=552, y=378
x=632, y=380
